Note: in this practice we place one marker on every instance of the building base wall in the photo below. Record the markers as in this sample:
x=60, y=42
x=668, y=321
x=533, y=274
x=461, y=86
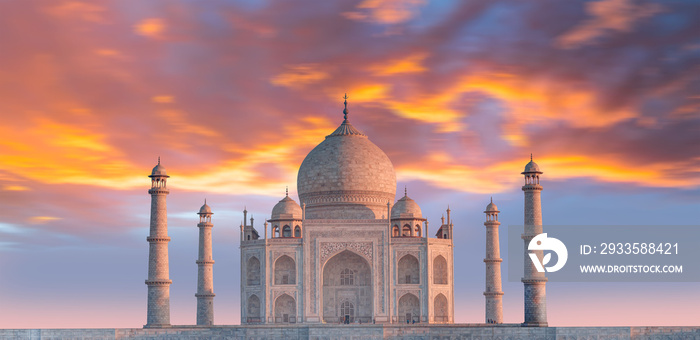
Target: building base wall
x=364, y=332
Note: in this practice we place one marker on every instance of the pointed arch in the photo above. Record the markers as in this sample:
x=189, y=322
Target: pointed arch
x=285, y=309
x=285, y=271
x=253, y=309
x=440, y=308
x=408, y=270
x=253, y=271
x=286, y=231
x=439, y=270
x=297, y=231
x=409, y=308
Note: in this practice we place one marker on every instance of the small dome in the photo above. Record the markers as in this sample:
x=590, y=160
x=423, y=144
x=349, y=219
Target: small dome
x=491, y=207
x=532, y=167
x=286, y=209
x=205, y=209
x=406, y=208
x=159, y=170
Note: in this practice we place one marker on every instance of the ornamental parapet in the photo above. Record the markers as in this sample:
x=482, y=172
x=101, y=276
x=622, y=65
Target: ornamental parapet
x=159, y=282
x=285, y=240
x=408, y=240
x=253, y=243
x=436, y=241
x=204, y=261
x=158, y=239
x=205, y=224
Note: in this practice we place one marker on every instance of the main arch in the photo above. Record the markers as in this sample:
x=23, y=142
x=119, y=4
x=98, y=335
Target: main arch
x=347, y=295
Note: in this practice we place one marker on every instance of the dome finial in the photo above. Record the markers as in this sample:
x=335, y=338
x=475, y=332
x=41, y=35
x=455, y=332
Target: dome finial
x=405, y=191
x=286, y=191
x=345, y=111
x=158, y=160
x=491, y=199
x=205, y=201
x=530, y=157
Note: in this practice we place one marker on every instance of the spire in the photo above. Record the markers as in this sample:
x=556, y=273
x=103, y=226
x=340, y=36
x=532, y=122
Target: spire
x=346, y=129
x=345, y=111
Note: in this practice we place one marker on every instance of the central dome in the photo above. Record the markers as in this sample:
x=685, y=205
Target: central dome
x=346, y=177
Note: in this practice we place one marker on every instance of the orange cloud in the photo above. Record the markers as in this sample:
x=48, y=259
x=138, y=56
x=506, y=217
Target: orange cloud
x=386, y=11
x=181, y=125
x=409, y=64
x=537, y=100
x=43, y=219
x=608, y=15
x=86, y=11
x=527, y=100
x=164, y=99
x=15, y=188
x=51, y=152
x=151, y=27
x=48, y=151
x=240, y=175
x=301, y=75
x=362, y=93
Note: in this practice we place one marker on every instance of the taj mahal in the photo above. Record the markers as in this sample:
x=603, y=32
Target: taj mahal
x=346, y=253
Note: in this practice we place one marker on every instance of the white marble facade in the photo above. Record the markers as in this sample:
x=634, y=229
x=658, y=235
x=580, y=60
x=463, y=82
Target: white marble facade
x=347, y=253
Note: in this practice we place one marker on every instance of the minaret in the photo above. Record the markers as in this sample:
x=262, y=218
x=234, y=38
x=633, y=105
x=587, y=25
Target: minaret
x=205, y=278
x=493, y=293
x=158, y=271
x=533, y=281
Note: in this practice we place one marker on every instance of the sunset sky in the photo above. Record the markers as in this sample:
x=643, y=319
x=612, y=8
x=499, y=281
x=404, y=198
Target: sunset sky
x=233, y=94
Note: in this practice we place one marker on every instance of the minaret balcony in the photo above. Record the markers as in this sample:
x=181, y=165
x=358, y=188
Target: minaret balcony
x=159, y=282
x=158, y=239
x=532, y=187
x=158, y=191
